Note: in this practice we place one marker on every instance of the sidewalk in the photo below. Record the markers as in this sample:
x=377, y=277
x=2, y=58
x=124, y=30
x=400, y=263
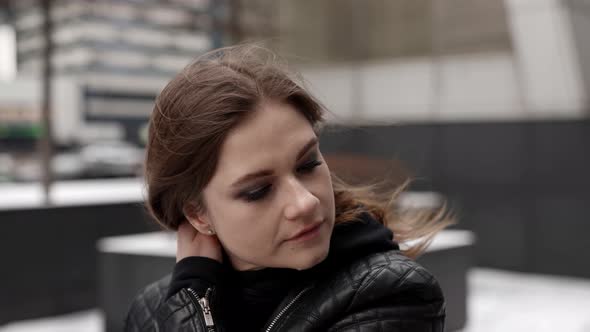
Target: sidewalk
x=509, y=301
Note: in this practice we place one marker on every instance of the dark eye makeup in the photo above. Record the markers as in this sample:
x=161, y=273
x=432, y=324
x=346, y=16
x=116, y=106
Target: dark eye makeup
x=256, y=194
x=260, y=192
x=309, y=166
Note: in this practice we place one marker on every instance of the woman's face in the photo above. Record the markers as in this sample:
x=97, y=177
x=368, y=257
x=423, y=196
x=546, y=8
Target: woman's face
x=271, y=200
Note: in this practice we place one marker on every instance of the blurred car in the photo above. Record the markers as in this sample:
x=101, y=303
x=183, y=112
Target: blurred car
x=111, y=159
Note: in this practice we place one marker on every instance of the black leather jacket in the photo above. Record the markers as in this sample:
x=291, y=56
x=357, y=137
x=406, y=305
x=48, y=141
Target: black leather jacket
x=383, y=291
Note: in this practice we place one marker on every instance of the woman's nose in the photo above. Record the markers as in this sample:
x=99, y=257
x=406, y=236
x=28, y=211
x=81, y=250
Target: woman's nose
x=301, y=203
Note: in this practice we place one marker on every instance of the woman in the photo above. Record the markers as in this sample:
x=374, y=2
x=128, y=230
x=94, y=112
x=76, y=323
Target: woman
x=268, y=239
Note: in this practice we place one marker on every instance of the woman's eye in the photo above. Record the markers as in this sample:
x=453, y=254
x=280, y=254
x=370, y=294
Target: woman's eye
x=309, y=166
x=256, y=194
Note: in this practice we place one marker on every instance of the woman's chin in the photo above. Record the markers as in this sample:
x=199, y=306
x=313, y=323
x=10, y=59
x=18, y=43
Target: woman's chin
x=309, y=261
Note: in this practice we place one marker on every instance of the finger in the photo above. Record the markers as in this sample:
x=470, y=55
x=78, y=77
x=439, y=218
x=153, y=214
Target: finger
x=210, y=246
x=186, y=232
x=210, y=240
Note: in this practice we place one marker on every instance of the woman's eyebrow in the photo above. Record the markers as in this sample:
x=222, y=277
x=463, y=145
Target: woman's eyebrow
x=312, y=142
x=251, y=176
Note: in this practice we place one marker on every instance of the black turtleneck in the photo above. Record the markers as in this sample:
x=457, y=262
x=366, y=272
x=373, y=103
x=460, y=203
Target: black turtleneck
x=250, y=297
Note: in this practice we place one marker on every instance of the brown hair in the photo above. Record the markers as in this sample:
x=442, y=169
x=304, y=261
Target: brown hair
x=197, y=109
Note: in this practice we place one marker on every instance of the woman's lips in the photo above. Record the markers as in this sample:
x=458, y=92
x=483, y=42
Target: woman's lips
x=307, y=233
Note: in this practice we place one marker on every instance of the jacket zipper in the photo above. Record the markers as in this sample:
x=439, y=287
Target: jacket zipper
x=284, y=310
x=205, y=308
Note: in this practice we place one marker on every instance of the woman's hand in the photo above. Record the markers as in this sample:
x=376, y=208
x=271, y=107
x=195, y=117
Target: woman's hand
x=192, y=243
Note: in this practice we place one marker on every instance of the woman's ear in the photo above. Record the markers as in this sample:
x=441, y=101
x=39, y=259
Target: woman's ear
x=198, y=218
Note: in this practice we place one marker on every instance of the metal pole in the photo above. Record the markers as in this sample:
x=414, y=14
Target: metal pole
x=45, y=145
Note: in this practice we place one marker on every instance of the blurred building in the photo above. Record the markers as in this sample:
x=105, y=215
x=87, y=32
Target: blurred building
x=371, y=30
x=115, y=55
x=402, y=60
x=430, y=60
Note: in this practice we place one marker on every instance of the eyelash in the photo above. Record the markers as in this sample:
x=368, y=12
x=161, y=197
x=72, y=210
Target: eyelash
x=309, y=166
x=258, y=194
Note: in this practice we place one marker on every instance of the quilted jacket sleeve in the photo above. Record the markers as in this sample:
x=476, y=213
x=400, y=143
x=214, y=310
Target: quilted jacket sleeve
x=398, y=296
x=179, y=303
x=179, y=312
